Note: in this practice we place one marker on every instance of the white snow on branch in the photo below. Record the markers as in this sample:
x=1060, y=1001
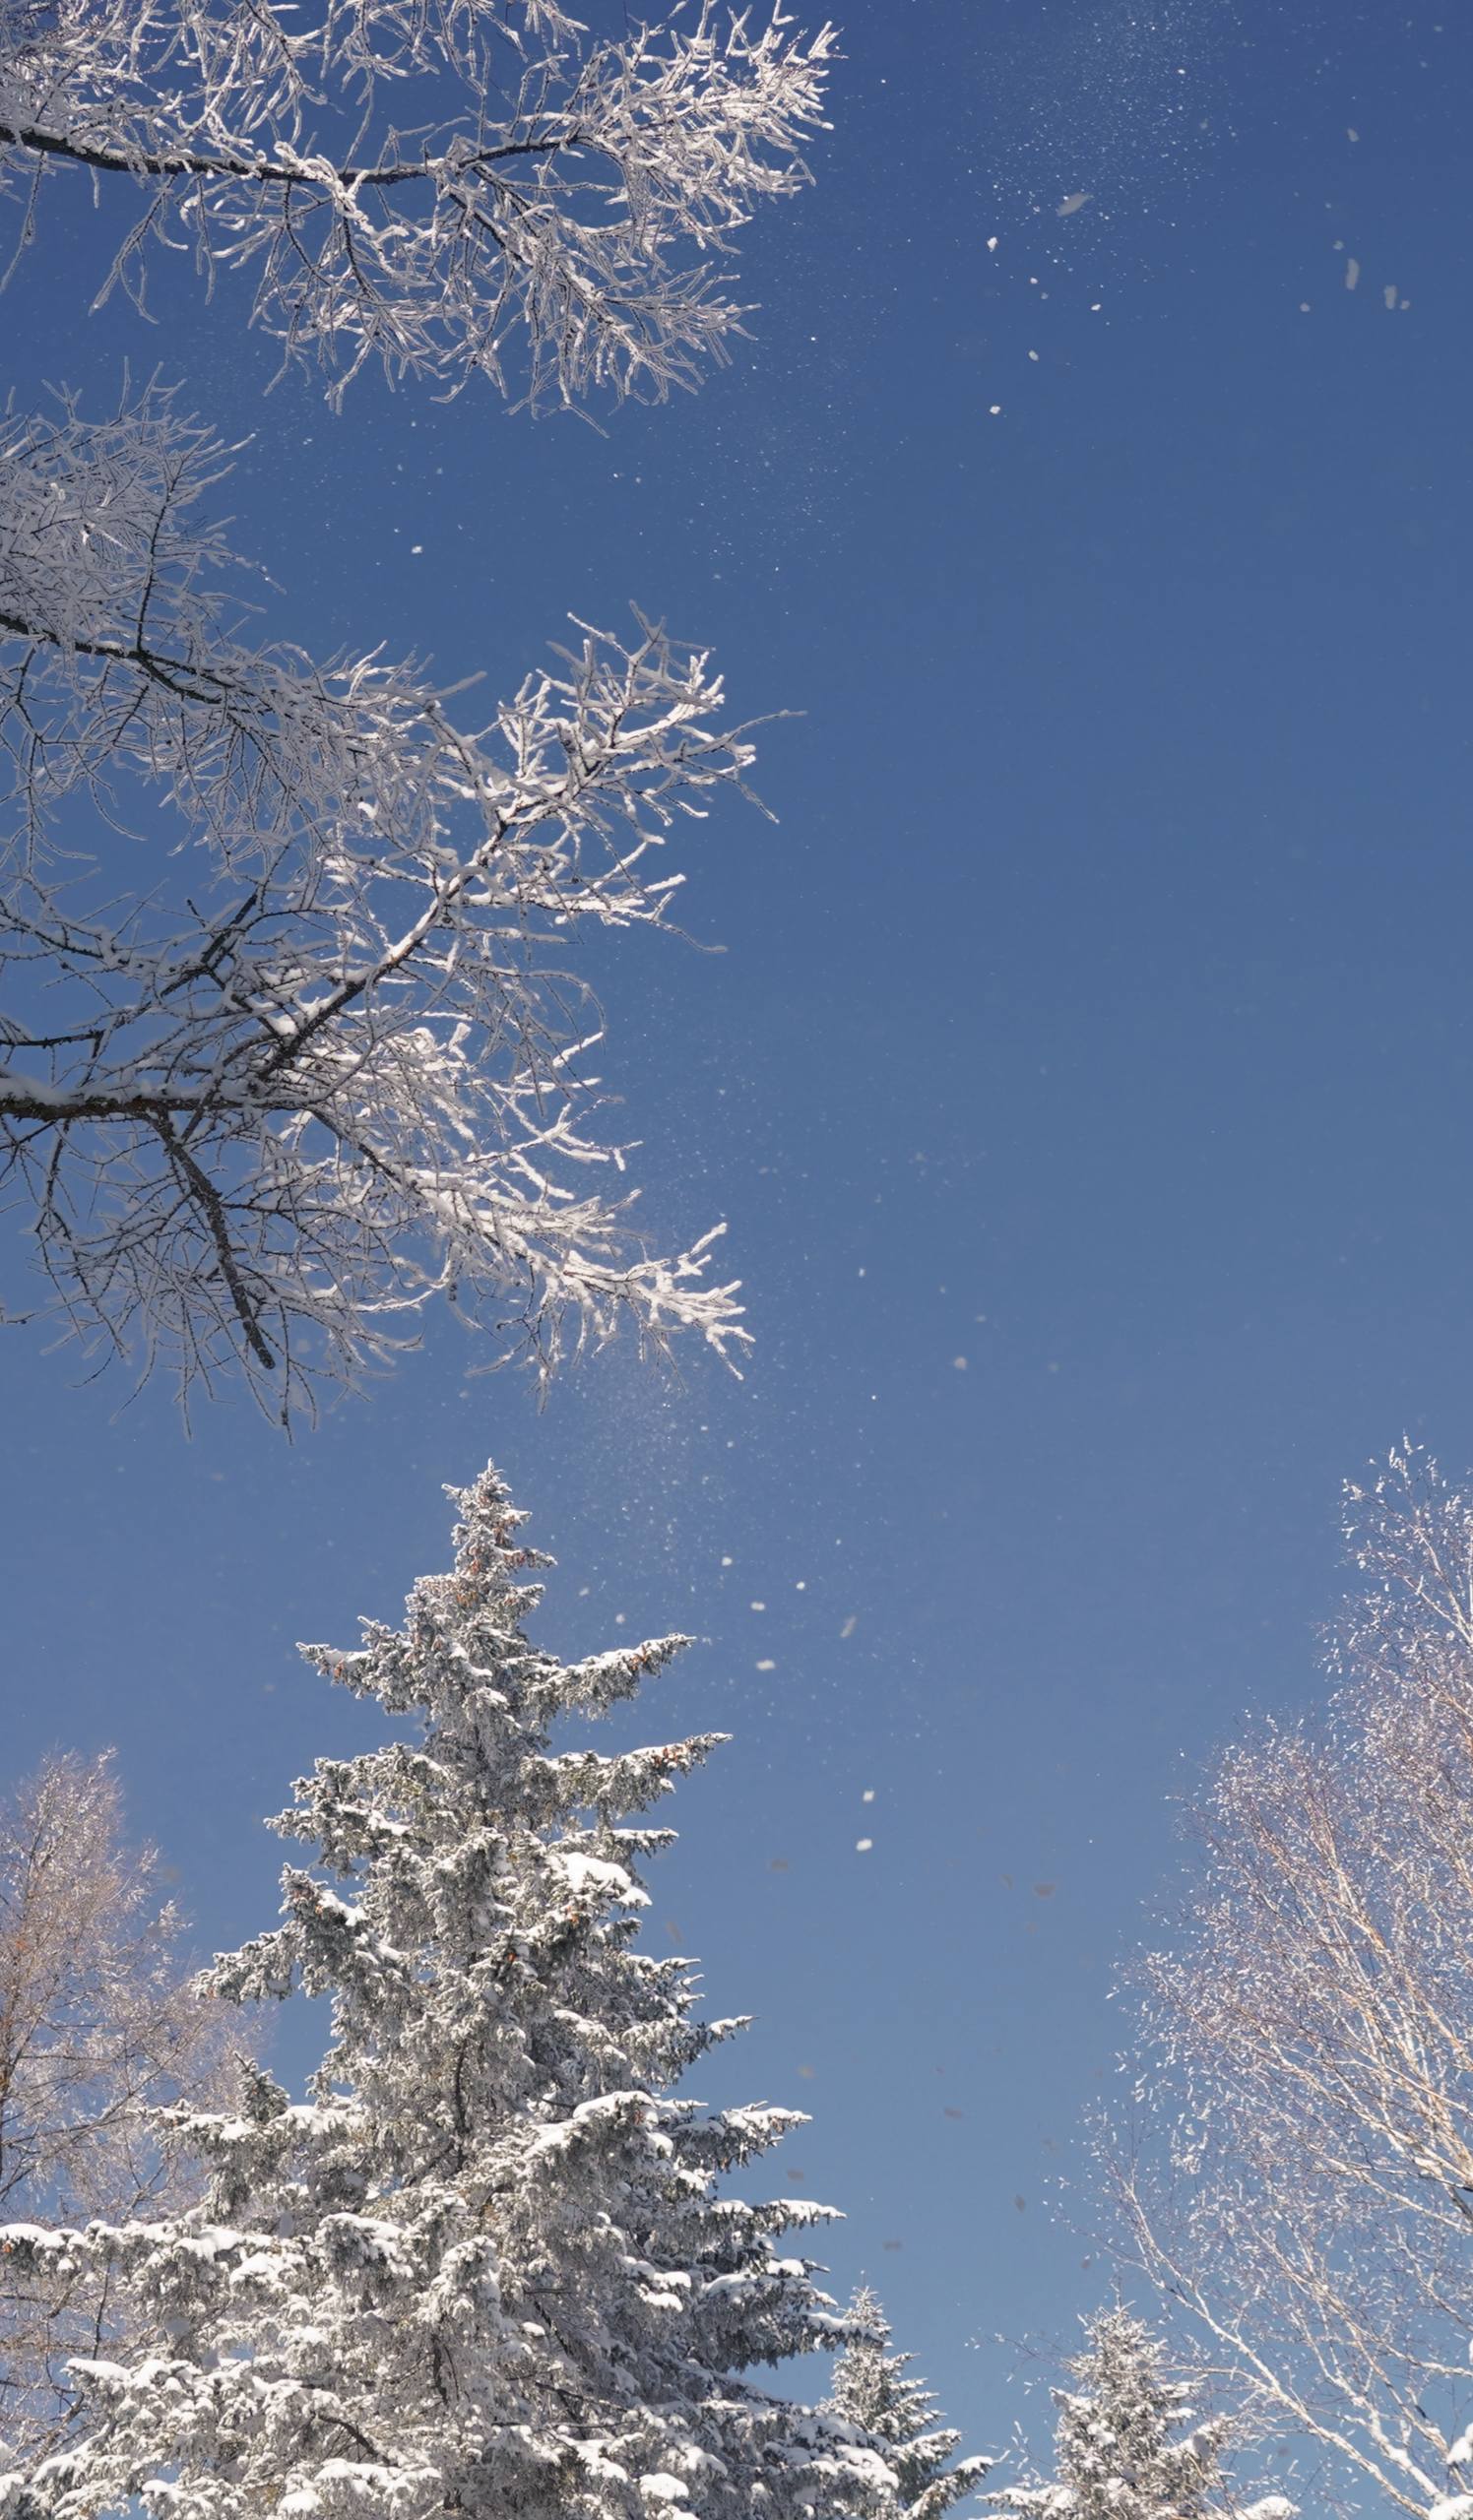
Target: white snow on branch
x=444, y=191
x=267, y=1098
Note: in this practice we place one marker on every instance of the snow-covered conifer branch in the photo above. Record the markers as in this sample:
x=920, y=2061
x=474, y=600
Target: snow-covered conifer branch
x=444, y=187
x=318, y=1061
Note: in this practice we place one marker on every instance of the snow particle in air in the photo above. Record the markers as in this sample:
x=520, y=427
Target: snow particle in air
x=863, y=1846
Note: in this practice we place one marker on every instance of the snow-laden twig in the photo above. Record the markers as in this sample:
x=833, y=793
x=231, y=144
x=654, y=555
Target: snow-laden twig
x=318, y=1063
x=445, y=187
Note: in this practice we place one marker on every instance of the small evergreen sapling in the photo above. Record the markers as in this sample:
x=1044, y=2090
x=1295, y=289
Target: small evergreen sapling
x=490, y=2265
x=875, y=2391
x=1128, y=2445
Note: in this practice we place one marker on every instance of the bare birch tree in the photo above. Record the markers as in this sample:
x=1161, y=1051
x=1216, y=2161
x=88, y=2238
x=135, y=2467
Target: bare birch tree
x=1305, y=2187
x=290, y=1047
x=442, y=187
x=98, y=2026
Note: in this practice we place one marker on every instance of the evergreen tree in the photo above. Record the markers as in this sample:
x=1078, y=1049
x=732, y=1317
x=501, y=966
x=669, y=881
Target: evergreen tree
x=1127, y=2444
x=875, y=2391
x=489, y=2266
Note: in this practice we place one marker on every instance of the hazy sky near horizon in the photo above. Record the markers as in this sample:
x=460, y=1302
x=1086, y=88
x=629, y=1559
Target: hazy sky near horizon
x=1084, y=1071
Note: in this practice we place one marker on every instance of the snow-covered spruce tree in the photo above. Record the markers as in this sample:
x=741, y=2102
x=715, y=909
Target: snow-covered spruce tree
x=875, y=2390
x=489, y=2267
x=1128, y=2445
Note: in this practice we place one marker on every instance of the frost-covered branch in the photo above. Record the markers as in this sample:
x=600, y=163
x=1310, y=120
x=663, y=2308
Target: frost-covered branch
x=318, y=1062
x=444, y=187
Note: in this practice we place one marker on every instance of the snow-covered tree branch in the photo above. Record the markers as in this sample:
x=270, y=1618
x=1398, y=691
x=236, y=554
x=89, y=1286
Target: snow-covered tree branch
x=99, y=2029
x=318, y=1060
x=444, y=187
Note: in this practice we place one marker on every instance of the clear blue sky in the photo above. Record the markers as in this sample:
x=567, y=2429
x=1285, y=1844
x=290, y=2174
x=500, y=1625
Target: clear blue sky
x=1097, y=1013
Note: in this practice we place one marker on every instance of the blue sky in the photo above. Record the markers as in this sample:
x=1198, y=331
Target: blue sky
x=1085, y=1073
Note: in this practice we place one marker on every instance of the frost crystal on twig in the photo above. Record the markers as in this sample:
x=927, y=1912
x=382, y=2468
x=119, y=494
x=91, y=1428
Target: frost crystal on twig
x=329, y=1065
x=444, y=187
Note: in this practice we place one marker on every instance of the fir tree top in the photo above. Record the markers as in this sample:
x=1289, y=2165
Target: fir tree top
x=875, y=2391
x=1128, y=2445
x=488, y=2267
